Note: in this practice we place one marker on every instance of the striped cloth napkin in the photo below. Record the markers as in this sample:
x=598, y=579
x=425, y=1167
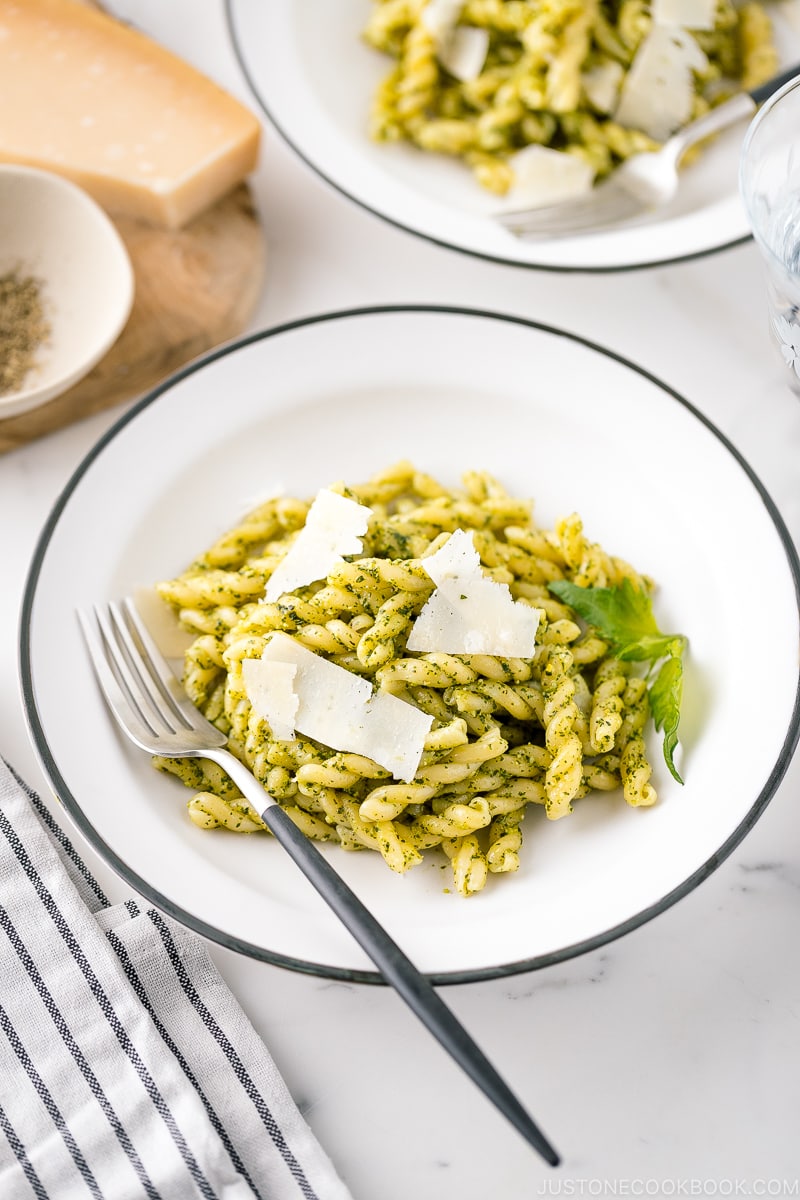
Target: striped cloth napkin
x=127, y=1068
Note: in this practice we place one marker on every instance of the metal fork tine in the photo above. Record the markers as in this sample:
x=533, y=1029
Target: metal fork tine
x=605, y=208
x=123, y=710
x=158, y=694
x=163, y=673
x=130, y=677
x=570, y=209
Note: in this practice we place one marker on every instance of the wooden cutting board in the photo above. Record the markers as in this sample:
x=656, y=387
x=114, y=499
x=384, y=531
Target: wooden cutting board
x=196, y=287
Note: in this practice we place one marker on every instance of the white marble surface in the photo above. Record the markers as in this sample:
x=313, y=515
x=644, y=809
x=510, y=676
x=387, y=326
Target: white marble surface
x=663, y=1064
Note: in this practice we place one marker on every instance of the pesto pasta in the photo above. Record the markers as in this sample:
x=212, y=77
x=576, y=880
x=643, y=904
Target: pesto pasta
x=505, y=733
x=551, y=75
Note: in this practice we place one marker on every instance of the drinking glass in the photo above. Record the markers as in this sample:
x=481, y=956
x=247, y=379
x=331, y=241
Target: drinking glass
x=769, y=182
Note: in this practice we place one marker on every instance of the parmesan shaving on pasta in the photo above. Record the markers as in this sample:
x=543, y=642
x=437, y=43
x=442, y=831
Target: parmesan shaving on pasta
x=601, y=85
x=690, y=14
x=544, y=176
x=461, y=49
x=272, y=695
x=469, y=613
x=440, y=17
x=337, y=708
x=464, y=52
x=658, y=91
x=334, y=528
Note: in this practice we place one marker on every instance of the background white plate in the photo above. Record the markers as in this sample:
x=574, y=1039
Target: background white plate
x=314, y=76
x=553, y=417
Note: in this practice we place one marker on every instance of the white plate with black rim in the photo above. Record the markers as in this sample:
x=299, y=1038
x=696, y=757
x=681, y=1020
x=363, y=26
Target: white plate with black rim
x=304, y=404
x=314, y=77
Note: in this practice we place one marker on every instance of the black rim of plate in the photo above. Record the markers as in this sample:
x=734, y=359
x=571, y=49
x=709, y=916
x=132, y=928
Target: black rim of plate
x=558, y=268
x=71, y=805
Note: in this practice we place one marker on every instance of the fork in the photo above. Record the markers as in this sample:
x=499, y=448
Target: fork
x=152, y=708
x=644, y=182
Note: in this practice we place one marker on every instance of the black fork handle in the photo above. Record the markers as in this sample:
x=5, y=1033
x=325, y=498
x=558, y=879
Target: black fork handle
x=398, y=970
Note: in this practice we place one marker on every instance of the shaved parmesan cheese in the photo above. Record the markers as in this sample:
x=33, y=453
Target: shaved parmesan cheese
x=659, y=87
x=601, y=85
x=334, y=527
x=544, y=176
x=461, y=49
x=690, y=14
x=456, y=558
x=464, y=52
x=337, y=708
x=272, y=695
x=469, y=613
x=440, y=17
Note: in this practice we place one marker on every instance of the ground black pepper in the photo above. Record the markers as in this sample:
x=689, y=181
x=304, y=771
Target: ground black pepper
x=23, y=328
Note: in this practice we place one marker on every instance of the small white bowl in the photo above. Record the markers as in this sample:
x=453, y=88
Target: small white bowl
x=51, y=230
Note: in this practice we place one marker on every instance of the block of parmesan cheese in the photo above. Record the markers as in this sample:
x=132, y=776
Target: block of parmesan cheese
x=143, y=132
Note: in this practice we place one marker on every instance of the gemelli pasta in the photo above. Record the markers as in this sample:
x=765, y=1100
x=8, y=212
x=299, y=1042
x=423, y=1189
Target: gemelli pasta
x=505, y=733
x=551, y=76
